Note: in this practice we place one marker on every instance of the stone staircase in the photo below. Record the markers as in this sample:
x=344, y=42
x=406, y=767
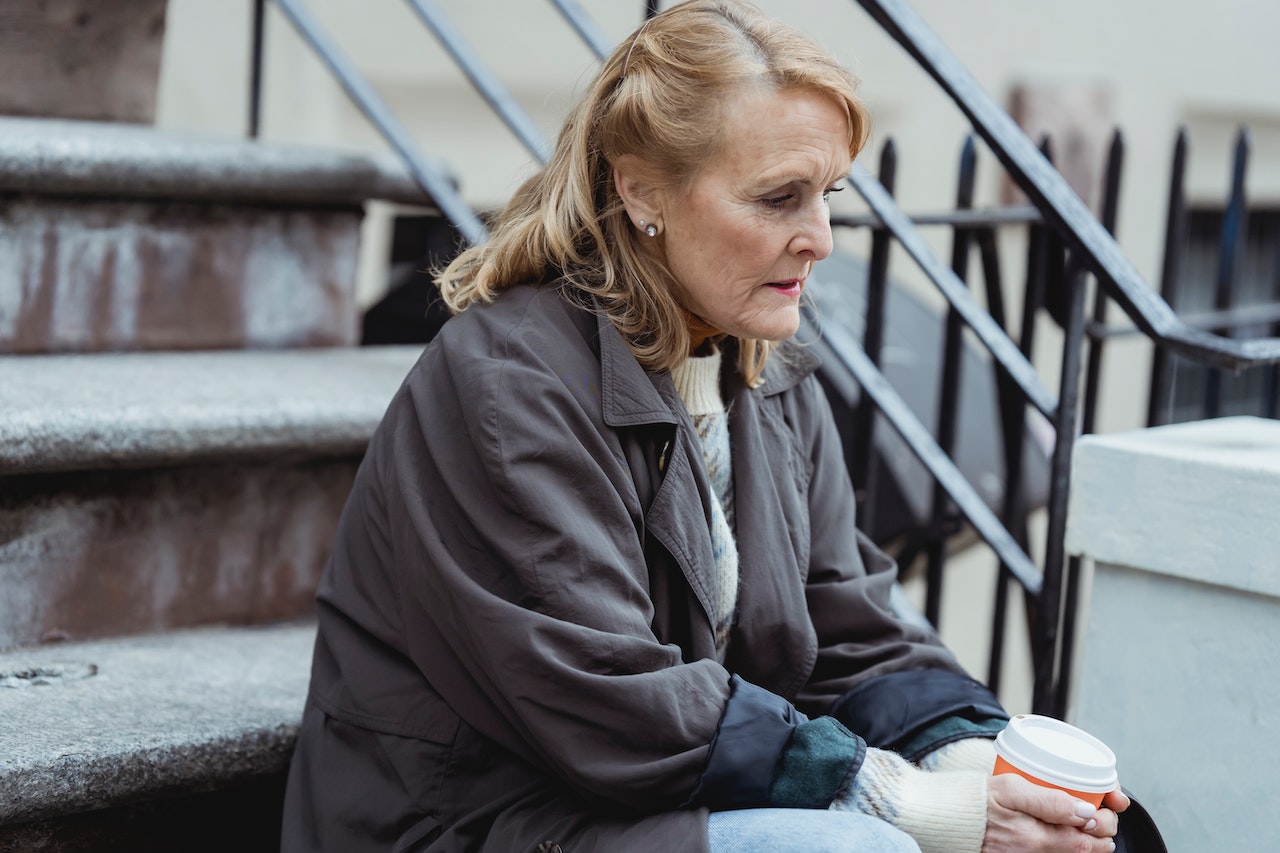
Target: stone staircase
x=182, y=411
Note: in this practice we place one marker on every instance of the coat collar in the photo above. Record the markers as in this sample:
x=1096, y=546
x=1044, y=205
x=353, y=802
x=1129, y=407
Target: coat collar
x=630, y=393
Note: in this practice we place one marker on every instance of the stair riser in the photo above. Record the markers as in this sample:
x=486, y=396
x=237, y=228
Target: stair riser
x=95, y=275
x=82, y=59
x=86, y=555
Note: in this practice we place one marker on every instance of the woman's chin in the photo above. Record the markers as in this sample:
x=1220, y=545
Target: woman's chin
x=779, y=326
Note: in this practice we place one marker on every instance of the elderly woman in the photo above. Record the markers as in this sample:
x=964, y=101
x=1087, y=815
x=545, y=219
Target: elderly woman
x=598, y=584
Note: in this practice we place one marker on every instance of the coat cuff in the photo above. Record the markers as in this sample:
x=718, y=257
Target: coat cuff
x=753, y=733
x=893, y=710
x=818, y=762
x=766, y=753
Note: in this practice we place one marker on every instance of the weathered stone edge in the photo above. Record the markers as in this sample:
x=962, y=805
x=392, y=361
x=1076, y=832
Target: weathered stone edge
x=114, y=410
x=72, y=785
x=62, y=157
x=172, y=713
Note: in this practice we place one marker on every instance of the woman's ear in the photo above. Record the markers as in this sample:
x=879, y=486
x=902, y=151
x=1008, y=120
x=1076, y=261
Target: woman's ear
x=638, y=195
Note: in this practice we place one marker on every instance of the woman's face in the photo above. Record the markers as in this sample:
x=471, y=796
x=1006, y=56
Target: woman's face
x=742, y=240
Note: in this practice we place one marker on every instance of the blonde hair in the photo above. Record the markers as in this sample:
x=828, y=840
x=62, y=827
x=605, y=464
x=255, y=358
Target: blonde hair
x=659, y=97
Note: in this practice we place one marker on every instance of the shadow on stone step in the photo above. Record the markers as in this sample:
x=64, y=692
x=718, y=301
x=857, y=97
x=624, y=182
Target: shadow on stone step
x=244, y=818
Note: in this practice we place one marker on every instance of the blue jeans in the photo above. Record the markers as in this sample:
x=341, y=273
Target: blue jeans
x=804, y=831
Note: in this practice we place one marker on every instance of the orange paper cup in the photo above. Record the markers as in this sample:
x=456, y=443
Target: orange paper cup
x=1055, y=754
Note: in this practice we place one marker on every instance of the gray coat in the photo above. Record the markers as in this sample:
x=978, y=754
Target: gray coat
x=514, y=648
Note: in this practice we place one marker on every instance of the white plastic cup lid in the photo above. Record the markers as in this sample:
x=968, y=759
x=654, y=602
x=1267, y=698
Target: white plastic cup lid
x=1058, y=753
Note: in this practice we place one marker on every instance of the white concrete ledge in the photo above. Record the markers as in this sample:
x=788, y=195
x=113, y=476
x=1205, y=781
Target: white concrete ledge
x=1197, y=500
x=1177, y=667
x=73, y=412
x=131, y=718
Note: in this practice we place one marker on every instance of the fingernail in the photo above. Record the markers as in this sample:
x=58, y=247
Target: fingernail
x=1113, y=846
x=1090, y=825
x=1084, y=809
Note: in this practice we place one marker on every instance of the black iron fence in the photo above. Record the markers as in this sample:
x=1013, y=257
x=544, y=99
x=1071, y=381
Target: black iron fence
x=1070, y=253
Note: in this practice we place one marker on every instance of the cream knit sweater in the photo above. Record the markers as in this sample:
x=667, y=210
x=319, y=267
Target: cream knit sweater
x=698, y=383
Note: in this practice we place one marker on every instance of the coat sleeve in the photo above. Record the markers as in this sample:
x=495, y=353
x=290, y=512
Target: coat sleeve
x=869, y=662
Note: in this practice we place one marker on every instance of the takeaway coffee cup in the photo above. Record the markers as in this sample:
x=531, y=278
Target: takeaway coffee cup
x=1055, y=754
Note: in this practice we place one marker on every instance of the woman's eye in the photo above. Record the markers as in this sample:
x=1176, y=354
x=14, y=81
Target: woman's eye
x=826, y=194
x=777, y=201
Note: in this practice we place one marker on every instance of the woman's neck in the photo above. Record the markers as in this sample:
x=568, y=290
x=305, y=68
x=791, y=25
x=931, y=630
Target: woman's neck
x=700, y=331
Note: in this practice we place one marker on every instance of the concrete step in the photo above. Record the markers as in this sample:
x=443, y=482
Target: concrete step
x=138, y=743
x=142, y=492
x=118, y=237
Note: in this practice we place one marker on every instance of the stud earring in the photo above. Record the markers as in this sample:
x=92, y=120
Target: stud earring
x=652, y=230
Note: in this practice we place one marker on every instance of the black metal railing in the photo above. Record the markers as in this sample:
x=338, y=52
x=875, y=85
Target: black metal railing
x=1067, y=248
x=1091, y=249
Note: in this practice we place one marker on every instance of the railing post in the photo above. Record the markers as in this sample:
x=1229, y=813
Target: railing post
x=1160, y=397
x=255, y=67
x=951, y=375
x=1050, y=683
x=1110, y=212
x=1271, y=385
x=865, y=469
x=1012, y=425
x=1235, y=227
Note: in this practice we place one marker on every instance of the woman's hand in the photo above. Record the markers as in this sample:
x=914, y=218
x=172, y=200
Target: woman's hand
x=1025, y=817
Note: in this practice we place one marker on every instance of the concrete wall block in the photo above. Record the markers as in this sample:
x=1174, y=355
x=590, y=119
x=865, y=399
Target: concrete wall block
x=101, y=554
x=81, y=58
x=1178, y=677
x=1177, y=670
x=94, y=275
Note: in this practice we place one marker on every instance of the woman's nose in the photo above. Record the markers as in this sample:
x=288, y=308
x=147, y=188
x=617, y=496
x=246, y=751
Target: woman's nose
x=813, y=239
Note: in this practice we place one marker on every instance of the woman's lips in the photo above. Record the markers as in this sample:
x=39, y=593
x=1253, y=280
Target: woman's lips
x=790, y=287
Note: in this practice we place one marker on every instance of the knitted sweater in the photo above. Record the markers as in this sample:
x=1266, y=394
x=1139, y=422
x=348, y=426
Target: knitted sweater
x=697, y=380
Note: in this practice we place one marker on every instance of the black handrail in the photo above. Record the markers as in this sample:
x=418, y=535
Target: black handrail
x=431, y=179
x=1006, y=354
x=1050, y=192
x=916, y=435
x=976, y=218
x=486, y=83
x=585, y=26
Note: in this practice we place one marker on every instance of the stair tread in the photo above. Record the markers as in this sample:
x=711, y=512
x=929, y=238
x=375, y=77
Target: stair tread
x=68, y=412
x=56, y=156
x=163, y=712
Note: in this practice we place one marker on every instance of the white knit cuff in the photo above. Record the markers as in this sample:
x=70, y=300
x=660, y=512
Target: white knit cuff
x=943, y=812
x=697, y=381
x=972, y=753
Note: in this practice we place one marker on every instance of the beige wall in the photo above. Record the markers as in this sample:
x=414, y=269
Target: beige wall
x=1210, y=66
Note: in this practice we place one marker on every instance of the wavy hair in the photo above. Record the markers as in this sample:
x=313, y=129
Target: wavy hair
x=660, y=98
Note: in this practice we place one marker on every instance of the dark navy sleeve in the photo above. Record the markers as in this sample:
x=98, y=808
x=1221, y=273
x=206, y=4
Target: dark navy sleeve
x=766, y=753
x=892, y=711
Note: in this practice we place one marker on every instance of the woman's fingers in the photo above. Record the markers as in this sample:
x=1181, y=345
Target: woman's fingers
x=1117, y=800
x=1105, y=825
x=1027, y=818
x=1047, y=804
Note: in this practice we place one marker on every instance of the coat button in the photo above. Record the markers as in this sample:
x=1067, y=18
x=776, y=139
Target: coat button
x=549, y=847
